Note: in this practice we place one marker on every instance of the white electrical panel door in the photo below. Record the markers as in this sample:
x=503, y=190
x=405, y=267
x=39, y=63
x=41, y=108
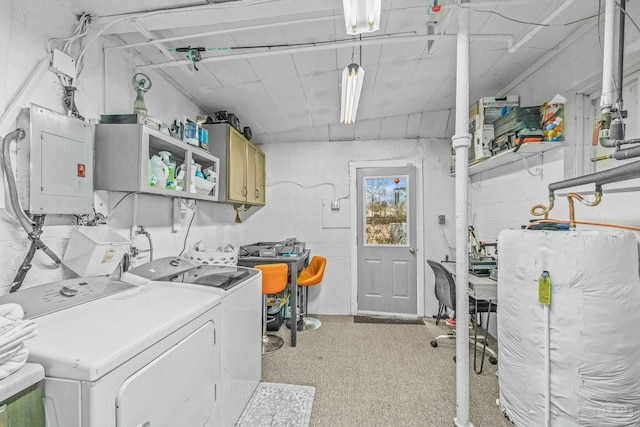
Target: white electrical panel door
x=55, y=163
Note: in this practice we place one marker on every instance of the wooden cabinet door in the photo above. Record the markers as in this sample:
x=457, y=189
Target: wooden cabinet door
x=260, y=177
x=251, y=173
x=236, y=167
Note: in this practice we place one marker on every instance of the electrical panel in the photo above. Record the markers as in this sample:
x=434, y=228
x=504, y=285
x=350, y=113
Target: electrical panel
x=54, y=163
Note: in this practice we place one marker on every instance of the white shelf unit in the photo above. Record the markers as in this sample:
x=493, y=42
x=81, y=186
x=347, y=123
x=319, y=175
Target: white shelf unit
x=526, y=150
x=122, y=153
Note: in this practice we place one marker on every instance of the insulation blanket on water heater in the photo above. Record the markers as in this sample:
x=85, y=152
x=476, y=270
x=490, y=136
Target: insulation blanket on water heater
x=594, y=319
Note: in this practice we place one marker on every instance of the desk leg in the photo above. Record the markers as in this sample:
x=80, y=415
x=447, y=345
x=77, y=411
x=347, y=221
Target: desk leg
x=475, y=340
x=294, y=303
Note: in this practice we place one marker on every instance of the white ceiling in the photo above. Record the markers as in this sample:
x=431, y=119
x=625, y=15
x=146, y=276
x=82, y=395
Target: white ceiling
x=408, y=91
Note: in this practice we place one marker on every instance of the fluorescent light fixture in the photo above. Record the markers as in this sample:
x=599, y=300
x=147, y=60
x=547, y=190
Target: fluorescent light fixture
x=361, y=16
x=352, y=78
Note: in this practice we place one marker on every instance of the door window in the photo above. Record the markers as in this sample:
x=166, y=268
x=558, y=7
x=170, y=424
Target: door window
x=385, y=210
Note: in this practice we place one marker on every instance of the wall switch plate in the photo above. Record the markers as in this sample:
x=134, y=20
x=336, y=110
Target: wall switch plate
x=441, y=219
x=335, y=205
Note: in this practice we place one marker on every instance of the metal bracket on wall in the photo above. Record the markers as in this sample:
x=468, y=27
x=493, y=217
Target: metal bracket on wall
x=176, y=215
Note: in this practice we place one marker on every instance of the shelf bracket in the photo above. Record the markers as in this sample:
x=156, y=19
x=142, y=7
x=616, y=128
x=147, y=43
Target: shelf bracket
x=525, y=163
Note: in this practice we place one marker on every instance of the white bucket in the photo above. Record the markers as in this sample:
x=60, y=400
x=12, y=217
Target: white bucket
x=94, y=251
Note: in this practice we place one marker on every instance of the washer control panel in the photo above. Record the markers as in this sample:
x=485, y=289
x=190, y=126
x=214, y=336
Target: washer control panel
x=48, y=298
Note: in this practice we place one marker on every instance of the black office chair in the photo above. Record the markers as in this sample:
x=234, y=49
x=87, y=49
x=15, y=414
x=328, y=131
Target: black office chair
x=445, y=290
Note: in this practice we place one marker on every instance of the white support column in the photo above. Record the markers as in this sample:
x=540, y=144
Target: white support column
x=461, y=143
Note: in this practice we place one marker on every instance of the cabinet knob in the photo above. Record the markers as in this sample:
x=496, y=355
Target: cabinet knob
x=257, y=193
x=244, y=191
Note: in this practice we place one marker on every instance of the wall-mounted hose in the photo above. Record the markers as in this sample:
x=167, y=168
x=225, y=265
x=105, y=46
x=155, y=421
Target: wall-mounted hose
x=26, y=222
x=32, y=227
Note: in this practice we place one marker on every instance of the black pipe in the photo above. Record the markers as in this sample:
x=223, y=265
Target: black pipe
x=627, y=153
x=617, y=174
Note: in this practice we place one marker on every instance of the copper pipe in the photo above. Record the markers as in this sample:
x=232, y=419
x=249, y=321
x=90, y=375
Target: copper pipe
x=571, y=196
x=597, y=159
x=540, y=210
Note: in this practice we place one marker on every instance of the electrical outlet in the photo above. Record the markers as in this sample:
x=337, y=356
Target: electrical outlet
x=441, y=219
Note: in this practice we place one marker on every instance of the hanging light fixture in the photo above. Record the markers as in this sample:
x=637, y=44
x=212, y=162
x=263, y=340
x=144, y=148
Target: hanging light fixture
x=361, y=16
x=352, y=78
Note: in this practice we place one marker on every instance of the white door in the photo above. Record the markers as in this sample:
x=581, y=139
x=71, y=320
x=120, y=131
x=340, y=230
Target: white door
x=386, y=240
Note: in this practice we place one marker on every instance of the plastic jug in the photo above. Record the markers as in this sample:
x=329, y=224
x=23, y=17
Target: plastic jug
x=159, y=172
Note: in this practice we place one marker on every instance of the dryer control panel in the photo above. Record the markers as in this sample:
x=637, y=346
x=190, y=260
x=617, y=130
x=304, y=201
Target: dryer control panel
x=48, y=298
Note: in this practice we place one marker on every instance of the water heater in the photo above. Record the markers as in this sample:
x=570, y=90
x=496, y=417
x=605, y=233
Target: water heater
x=54, y=163
x=574, y=361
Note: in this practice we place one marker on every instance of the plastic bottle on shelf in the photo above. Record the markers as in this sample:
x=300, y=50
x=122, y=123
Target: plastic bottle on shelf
x=159, y=172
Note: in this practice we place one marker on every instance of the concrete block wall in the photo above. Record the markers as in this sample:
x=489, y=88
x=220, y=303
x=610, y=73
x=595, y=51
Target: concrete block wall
x=300, y=181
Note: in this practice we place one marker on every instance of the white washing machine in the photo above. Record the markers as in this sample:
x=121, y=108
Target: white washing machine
x=119, y=355
x=241, y=292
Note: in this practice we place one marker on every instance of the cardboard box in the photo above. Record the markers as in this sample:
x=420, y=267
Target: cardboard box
x=482, y=142
x=487, y=110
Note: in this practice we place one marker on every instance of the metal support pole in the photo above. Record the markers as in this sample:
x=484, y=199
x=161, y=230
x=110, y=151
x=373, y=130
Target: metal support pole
x=461, y=143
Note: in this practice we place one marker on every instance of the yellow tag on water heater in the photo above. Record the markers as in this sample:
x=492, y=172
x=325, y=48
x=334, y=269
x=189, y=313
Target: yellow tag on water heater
x=544, y=288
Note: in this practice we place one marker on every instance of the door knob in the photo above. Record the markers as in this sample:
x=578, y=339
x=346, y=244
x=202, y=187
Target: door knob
x=413, y=250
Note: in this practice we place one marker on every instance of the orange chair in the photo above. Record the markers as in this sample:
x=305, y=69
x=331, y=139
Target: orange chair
x=274, y=280
x=310, y=276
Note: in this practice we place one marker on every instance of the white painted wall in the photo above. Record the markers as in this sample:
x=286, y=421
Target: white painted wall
x=25, y=28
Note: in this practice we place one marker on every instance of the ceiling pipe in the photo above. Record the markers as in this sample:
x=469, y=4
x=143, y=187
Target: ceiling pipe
x=228, y=31
x=461, y=142
x=329, y=46
x=617, y=174
x=606, y=100
x=537, y=29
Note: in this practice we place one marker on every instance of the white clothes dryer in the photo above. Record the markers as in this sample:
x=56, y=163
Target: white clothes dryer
x=119, y=355
x=241, y=339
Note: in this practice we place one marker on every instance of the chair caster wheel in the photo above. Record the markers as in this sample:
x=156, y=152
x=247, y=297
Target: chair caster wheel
x=493, y=360
x=434, y=343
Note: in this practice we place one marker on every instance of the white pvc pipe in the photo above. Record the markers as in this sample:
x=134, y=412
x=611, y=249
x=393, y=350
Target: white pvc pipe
x=327, y=46
x=547, y=368
x=461, y=143
x=606, y=100
x=538, y=28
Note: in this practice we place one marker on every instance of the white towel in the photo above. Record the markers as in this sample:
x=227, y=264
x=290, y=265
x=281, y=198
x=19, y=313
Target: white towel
x=13, y=332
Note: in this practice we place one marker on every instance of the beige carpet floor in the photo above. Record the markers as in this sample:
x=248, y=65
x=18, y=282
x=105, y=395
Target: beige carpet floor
x=381, y=375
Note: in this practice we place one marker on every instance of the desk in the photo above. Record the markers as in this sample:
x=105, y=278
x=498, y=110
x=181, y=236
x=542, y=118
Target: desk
x=481, y=288
x=296, y=264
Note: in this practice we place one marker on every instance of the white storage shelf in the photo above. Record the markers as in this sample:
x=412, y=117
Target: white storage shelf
x=122, y=154
x=526, y=150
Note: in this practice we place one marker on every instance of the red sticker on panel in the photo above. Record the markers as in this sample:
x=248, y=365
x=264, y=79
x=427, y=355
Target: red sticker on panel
x=81, y=170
